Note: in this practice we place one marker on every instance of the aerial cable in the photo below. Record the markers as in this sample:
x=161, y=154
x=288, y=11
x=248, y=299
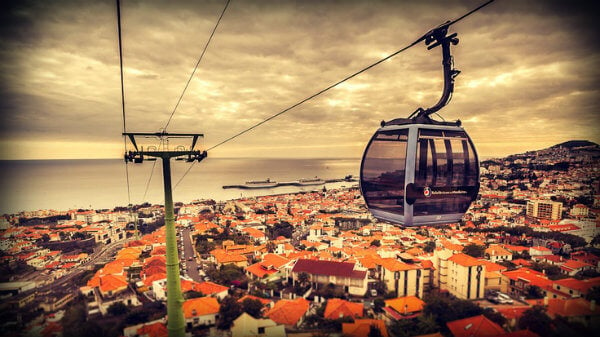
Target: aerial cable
x=420, y=39
x=123, y=97
x=196, y=67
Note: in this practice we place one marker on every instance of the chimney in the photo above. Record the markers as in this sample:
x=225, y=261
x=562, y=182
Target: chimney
x=593, y=305
x=546, y=300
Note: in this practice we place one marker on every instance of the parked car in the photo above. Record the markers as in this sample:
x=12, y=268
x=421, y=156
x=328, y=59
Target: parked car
x=499, y=298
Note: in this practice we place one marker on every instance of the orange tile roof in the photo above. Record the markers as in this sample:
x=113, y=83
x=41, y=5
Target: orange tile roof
x=465, y=260
x=408, y=304
x=531, y=276
x=154, y=277
x=108, y=283
x=572, y=308
x=392, y=264
x=209, y=288
x=200, y=306
x=477, y=326
x=288, y=312
x=362, y=327
x=338, y=308
x=579, y=285
x=157, y=329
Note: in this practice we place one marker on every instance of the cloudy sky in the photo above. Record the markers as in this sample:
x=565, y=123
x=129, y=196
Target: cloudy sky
x=529, y=74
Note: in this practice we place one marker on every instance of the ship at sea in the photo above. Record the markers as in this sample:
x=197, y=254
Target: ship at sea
x=311, y=181
x=267, y=183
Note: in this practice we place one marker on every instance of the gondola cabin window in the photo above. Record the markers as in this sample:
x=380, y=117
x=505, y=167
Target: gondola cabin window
x=384, y=171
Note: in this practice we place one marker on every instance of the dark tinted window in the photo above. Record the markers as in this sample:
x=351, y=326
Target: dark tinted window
x=446, y=164
x=383, y=171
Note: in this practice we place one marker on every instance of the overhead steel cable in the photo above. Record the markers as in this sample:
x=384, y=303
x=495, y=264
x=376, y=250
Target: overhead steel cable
x=196, y=66
x=422, y=38
x=123, y=97
x=346, y=78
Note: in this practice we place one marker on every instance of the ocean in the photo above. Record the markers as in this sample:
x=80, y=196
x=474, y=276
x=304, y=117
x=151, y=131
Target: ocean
x=29, y=185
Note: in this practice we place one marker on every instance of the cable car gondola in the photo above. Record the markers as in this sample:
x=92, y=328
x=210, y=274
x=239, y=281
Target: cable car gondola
x=419, y=171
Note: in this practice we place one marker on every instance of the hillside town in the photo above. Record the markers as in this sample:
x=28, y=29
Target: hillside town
x=524, y=261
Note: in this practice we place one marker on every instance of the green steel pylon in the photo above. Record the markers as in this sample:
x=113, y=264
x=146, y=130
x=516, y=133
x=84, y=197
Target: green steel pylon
x=175, y=318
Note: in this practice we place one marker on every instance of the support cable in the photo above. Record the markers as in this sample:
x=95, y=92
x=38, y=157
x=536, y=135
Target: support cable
x=123, y=97
x=420, y=39
x=196, y=67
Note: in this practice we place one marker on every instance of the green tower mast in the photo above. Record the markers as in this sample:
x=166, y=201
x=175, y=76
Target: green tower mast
x=176, y=320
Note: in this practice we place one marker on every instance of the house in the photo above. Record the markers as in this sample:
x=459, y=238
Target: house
x=572, y=267
x=156, y=328
x=574, y=287
x=406, y=279
x=289, y=312
x=539, y=250
x=270, y=265
x=518, y=281
x=466, y=277
x=477, y=326
x=575, y=310
x=342, y=274
x=403, y=307
x=338, y=308
x=248, y=326
x=496, y=253
x=212, y=289
x=201, y=311
x=362, y=327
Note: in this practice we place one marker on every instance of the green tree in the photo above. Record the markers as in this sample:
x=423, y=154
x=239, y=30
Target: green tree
x=374, y=331
x=494, y=316
x=474, y=250
x=117, y=309
x=429, y=247
x=252, y=307
x=593, y=294
x=378, y=305
x=303, y=278
x=193, y=294
x=535, y=292
x=536, y=320
x=229, y=311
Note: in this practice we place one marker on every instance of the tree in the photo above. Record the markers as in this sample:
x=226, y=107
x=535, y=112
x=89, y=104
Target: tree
x=474, y=250
x=252, y=307
x=536, y=320
x=593, y=294
x=376, y=243
x=374, y=331
x=193, y=294
x=117, y=309
x=535, y=292
x=429, y=247
x=378, y=305
x=494, y=316
x=229, y=311
x=303, y=278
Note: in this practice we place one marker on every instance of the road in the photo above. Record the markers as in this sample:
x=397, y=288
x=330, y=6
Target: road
x=188, y=255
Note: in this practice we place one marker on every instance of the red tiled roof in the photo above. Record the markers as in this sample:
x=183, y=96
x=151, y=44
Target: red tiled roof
x=157, y=329
x=465, y=260
x=477, y=326
x=209, y=288
x=200, y=306
x=338, y=308
x=362, y=327
x=332, y=268
x=288, y=312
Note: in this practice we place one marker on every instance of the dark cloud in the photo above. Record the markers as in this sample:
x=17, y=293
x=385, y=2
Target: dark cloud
x=527, y=67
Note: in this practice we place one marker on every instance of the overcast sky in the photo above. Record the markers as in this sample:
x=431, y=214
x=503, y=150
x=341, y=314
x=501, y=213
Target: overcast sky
x=529, y=75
